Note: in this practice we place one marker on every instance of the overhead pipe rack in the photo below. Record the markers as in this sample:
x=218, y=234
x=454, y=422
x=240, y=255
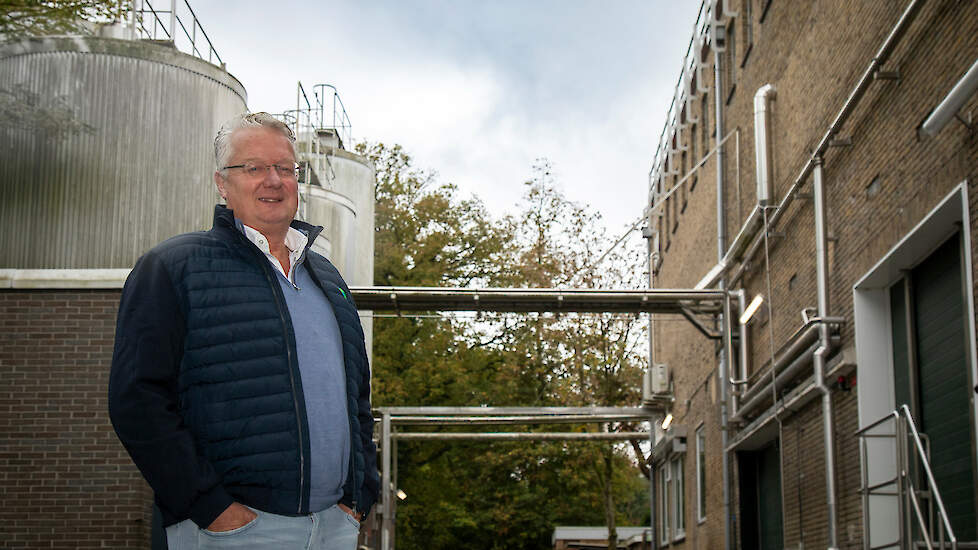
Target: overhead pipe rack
x=380, y=298
x=393, y=417
x=685, y=302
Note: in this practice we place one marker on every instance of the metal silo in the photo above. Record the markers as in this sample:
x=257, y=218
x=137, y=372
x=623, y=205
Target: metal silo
x=345, y=209
x=342, y=201
x=336, y=187
x=125, y=163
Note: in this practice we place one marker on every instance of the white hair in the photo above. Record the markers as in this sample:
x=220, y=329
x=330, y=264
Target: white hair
x=222, y=143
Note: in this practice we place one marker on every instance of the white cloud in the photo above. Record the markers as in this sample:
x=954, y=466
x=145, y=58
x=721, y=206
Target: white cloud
x=476, y=91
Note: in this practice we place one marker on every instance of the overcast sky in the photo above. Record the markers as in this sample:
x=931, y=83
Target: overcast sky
x=476, y=90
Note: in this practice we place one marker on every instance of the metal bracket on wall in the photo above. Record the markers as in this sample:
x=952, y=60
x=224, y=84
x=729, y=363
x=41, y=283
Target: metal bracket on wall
x=711, y=334
x=967, y=123
x=880, y=74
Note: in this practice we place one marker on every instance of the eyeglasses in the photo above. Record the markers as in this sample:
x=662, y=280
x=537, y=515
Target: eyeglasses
x=256, y=170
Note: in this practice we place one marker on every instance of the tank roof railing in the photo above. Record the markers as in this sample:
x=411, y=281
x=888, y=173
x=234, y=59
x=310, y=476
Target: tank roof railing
x=150, y=23
x=324, y=112
x=328, y=99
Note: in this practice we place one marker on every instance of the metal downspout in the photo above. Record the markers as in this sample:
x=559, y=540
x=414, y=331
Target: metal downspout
x=820, y=356
x=386, y=525
x=653, y=256
x=721, y=249
x=744, y=345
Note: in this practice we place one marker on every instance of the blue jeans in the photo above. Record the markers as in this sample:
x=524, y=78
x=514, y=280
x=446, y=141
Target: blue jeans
x=331, y=529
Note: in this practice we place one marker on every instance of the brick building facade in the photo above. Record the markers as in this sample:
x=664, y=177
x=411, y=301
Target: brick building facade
x=66, y=480
x=899, y=204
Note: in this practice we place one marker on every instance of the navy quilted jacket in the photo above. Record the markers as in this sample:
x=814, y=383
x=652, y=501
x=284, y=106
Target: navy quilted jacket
x=205, y=391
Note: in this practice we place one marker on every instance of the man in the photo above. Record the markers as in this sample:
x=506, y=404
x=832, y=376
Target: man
x=239, y=383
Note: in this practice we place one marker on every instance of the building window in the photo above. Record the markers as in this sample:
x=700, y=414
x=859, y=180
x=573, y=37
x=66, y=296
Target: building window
x=664, y=486
x=766, y=4
x=675, y=205
x=667, y=210
x=731, y=61
x=685, y=171
x=747, y=14
x=692, y=155
x=700, y=475
x=678, y=500
x=705, y=120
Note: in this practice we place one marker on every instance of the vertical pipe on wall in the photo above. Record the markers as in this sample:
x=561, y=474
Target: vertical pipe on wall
x=743, y=348
x=385, y=484
x=762, y=144
x=721, y=249
x=652, y=258
x=820, y=356
x=655, y=536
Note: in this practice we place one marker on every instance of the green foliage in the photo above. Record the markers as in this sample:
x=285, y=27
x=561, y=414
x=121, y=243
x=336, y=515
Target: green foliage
x=19, y=18
x=502, y=495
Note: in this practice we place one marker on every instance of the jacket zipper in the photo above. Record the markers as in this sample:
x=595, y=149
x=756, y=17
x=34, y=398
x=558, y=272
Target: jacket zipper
x=266, y=269
x=349, y=414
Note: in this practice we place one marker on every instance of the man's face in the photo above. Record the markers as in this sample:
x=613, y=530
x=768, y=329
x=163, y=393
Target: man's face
x=265, y=201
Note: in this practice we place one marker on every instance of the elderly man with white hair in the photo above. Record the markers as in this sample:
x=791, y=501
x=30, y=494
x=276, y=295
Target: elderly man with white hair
x=239, y=383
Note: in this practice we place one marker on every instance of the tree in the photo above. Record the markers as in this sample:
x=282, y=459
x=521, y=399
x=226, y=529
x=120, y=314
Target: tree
x=500, y=495
x=23, y=109
x=594, y=359
x=19, y=18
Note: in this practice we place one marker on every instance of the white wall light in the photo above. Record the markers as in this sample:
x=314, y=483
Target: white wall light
x=666, y=422
x=752, y=308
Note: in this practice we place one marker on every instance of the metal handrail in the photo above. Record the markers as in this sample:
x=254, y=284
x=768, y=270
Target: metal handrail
x=141, y=10
x=340, y=119
x=932, y=484
x=904, y=429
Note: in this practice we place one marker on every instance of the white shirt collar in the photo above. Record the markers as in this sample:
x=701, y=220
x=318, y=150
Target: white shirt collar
x=295, y=241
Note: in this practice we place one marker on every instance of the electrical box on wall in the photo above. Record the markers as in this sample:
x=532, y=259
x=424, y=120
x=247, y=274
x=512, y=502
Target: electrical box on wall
x=657, y=379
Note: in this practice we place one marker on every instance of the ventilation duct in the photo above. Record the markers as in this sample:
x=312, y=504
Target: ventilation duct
x=762, y=143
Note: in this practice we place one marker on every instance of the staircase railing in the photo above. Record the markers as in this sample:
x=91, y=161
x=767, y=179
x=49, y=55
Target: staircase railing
x=912, y=455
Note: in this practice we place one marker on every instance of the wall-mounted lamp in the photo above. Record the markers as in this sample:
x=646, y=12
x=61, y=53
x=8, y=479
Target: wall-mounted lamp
x=666, y=422
x=401, y=494
x=752, y=308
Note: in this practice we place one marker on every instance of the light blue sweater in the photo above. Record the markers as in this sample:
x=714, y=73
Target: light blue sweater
x=320, y=351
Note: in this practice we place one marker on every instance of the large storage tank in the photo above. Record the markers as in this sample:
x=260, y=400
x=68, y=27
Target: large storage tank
x=343, y=203
x=130, y=161
x=341, y=199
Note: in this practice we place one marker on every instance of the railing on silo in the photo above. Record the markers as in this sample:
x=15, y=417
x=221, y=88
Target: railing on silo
x=148, y=22
x=332, y=113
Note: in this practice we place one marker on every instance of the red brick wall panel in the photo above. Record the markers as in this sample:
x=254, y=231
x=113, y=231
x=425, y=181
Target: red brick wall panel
x=66, y=480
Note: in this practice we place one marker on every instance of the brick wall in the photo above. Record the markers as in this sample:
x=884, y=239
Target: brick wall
x=65, y=480
x=878, y=189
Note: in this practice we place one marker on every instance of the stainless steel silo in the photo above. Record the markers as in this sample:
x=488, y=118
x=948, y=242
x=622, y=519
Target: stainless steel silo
x=344, y=205
x=125, y=164
x=342, y=201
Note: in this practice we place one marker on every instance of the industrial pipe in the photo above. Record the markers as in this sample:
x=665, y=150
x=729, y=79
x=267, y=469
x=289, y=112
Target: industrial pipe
x=800, y=341
x=721, y=249
x=792, y=370
x=881, y=57
x=744, y=341
x=762, y=143
x=821, y=354
x=953, y=102
x=522, y=436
